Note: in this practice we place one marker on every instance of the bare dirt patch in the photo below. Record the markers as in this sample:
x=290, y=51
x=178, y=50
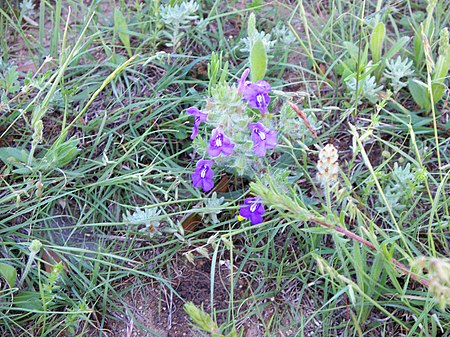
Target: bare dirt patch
x=153, y=310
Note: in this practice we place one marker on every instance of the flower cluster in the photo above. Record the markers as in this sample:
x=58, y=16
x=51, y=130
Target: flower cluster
x=235, y=131
x=240, y=135
x=327, y=166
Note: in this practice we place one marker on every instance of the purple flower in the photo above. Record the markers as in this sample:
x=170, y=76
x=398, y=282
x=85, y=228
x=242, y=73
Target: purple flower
x=262, y=138
x=242, y=83
x=257, y=95
x=219, y=143
x=199, y=117
x=203, y=175
x=252, y=209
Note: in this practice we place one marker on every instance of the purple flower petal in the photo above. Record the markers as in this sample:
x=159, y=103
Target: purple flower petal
x=196, y=112
x=242, y=83
x=199, y=117
x=257, y=95
x=194, y=129
x=262, y=138
x=219, y=143
x=203, y=175
x=252, y=209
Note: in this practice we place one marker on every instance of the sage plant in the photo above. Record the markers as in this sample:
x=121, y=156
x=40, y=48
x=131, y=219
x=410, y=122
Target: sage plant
x=237, y=128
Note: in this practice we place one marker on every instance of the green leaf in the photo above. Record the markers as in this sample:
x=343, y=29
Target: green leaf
x=23, y=170
x=443, y=62
x=418, y=48
x=258, y=61
x=255, y=5
x=438, y=90
x=352, y=50
x=37, y=114
x=213, y=67
x=63, y=153
x=377, y=269
x=217, y=70
x=419, y=92
x=389, y=266
x=316, y=230
x=9, y=273
x=357, y=58
x=30, y=300
x=181, y=134
x=397, y=47
x=12, y=155
x=121, y=28
x=376, y=41
x=441, y=68
x=11, y=79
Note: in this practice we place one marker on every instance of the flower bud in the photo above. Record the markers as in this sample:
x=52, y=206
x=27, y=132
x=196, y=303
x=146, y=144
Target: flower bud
x=35, y=246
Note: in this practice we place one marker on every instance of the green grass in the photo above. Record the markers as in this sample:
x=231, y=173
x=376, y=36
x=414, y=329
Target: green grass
x=101, y=129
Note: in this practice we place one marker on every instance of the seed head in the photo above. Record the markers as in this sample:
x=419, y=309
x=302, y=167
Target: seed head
x=437, y=270
x=327, y=166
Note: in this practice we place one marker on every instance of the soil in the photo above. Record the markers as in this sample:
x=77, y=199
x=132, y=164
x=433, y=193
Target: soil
x=156, y=311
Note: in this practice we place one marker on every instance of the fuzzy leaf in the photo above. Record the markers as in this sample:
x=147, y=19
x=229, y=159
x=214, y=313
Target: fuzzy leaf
x=121, y=28
x=9, y=273
x=251, y=26
x=376, y=41
x=258, y=61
